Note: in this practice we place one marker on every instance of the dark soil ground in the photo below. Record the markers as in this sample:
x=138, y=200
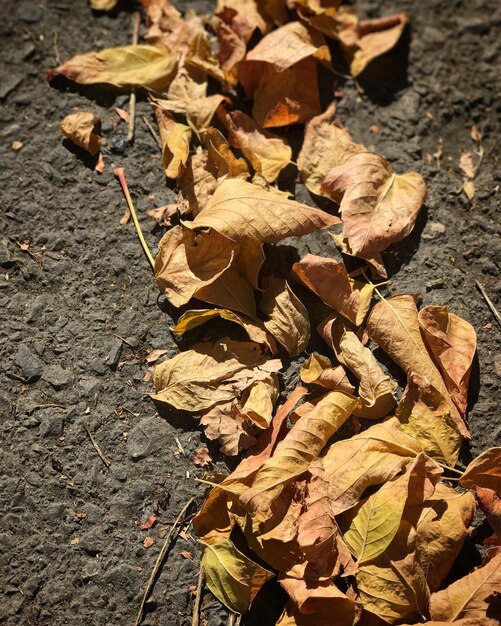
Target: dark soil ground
x=80, y=310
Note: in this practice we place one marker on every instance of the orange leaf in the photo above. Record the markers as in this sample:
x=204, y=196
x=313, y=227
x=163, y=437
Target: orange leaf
x=151, y=521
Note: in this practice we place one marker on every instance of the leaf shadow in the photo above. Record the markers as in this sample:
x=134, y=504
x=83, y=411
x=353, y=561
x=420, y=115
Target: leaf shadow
x=400, y=254
x=87, y=159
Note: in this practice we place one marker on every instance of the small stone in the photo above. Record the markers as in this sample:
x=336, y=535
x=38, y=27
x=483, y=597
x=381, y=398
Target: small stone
x=34, y=479
x=497, y=364
x=5, y=259
x=29, y=12
x=51, y=426
x=58, y=377
x=114, y=354
x=92, y=542
x=17, y=145
x=8, y=84
x=29, y=364
x=36, y=308
x=118, y=144
x=151, y=435
x=88, y=385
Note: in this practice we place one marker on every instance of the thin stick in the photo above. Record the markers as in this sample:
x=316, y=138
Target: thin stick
x=102, y=455
x=120, y=174
x=490, y=304
x=159, y=561
x=132, y=101
x=152, y=131
x=198, y=599
x=37, y=407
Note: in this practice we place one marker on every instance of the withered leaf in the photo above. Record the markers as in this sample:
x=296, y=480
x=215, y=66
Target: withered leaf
x=318, y=370
x=453, y=343
x=211, y=373
x=326, y=144
x=370, y=458
x=267, y=153
x=472, y=595
x=330, y=281
x=287, y=317
x=175, y=138
x=222, y=161
x=259, y=399
x=240, y=210
x=393, y=325
x=466, y=164
x=303, y=443
x=425, y=414
x=231, y=576
x=166, y=26
x=378, y=207
x=149, y=67
x=490, y=503
x=484, y=471
x=231, y=427
x=151, y=521
x=79, y=127
x=201, y=456
x=102, y=5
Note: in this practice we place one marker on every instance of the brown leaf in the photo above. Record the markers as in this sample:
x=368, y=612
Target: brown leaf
x=211, y=373
x=490, y=503
x=186, y=554
x=148, y=67
x=267, y=153
x=378, y=207
x=175, y=140
x=201, y=456
x=369, y=39
x=318, y=370
x=471, y=596
x=453, y=343
x=259, y=399
x=441, y=530
x=79, y=127
x=393, y=325
x=231, y=427
x=222, y=162
x=425, y=414
x=232, y=291
x=148, y=542
x=151, y=521
x=484, y=471
x=330, y=281
x=239, y=210
x=475, y=134
x=370, y=458
x=287, y=318
x=123, y=115
x=466, y=164
x=326, y=145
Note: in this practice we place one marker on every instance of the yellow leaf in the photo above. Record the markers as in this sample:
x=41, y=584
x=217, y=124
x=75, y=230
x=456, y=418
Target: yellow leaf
x=330, y=281
x=175, y=140
x=371, y=526
x=484, y=471
x=79, y=127
x=378, y=207
x=453, y=343
x=288, y=319
x=469, y=189
x=393, y=325
x=267, y=153
x=231, y=576
x=303, y=444
x=211, y=373
x=318, y=370
x=102, y=5
x=240, y=210
x=259, y=400
x=426, y=415
x=325, y=145
x=150, y=67
x=472, y=596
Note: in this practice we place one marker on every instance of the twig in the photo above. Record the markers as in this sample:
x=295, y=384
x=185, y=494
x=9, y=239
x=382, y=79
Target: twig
x=132, y=101
x=120, y=174
x=37, y=407
x=198, y=599
x=152, y=131
x=490, y=304
x=102, y=455
x=159, y=561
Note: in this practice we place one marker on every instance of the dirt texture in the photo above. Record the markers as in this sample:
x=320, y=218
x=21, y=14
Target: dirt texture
x=80, y=311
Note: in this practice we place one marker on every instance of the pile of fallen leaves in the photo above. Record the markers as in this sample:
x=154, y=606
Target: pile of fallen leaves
x=346, y=494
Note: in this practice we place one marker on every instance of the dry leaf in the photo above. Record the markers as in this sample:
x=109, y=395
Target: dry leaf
x=490, y=503
x=259, y=399
x=149, y=67
x=231, y=427
x=330, y=281
x=151, y=521
x=475, y=134
x=326, y=145
x=211, y=373
x=469, y=189
x=370, y=527
x=370, y=458
x=318, y=370
x=425, y=414
x=201, y=457
x=255, y=330
x=186, y=554
x=175, y=140
x=369, y=39
x=287, y=318
x=102, y=5
x=267, y=153
x=148, y=542
x=484, y=471
x=473, y=596
x=240, y=210
x=453, y=343
x=303, y=443
x=123, y=115
x=393, y=325
x=79, y=127
x=221, y=159
x=466, y=164
x=378, y=207
x=441, y=531
x=231, y=576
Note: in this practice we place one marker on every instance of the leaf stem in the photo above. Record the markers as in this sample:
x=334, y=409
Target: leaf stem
x=120, y=174
x=451, y=469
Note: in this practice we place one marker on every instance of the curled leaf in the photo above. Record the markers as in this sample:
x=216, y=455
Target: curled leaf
x=484, y=471
x=79, y=127
x=175, y=140
x=318, y=370
x=230, y=426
